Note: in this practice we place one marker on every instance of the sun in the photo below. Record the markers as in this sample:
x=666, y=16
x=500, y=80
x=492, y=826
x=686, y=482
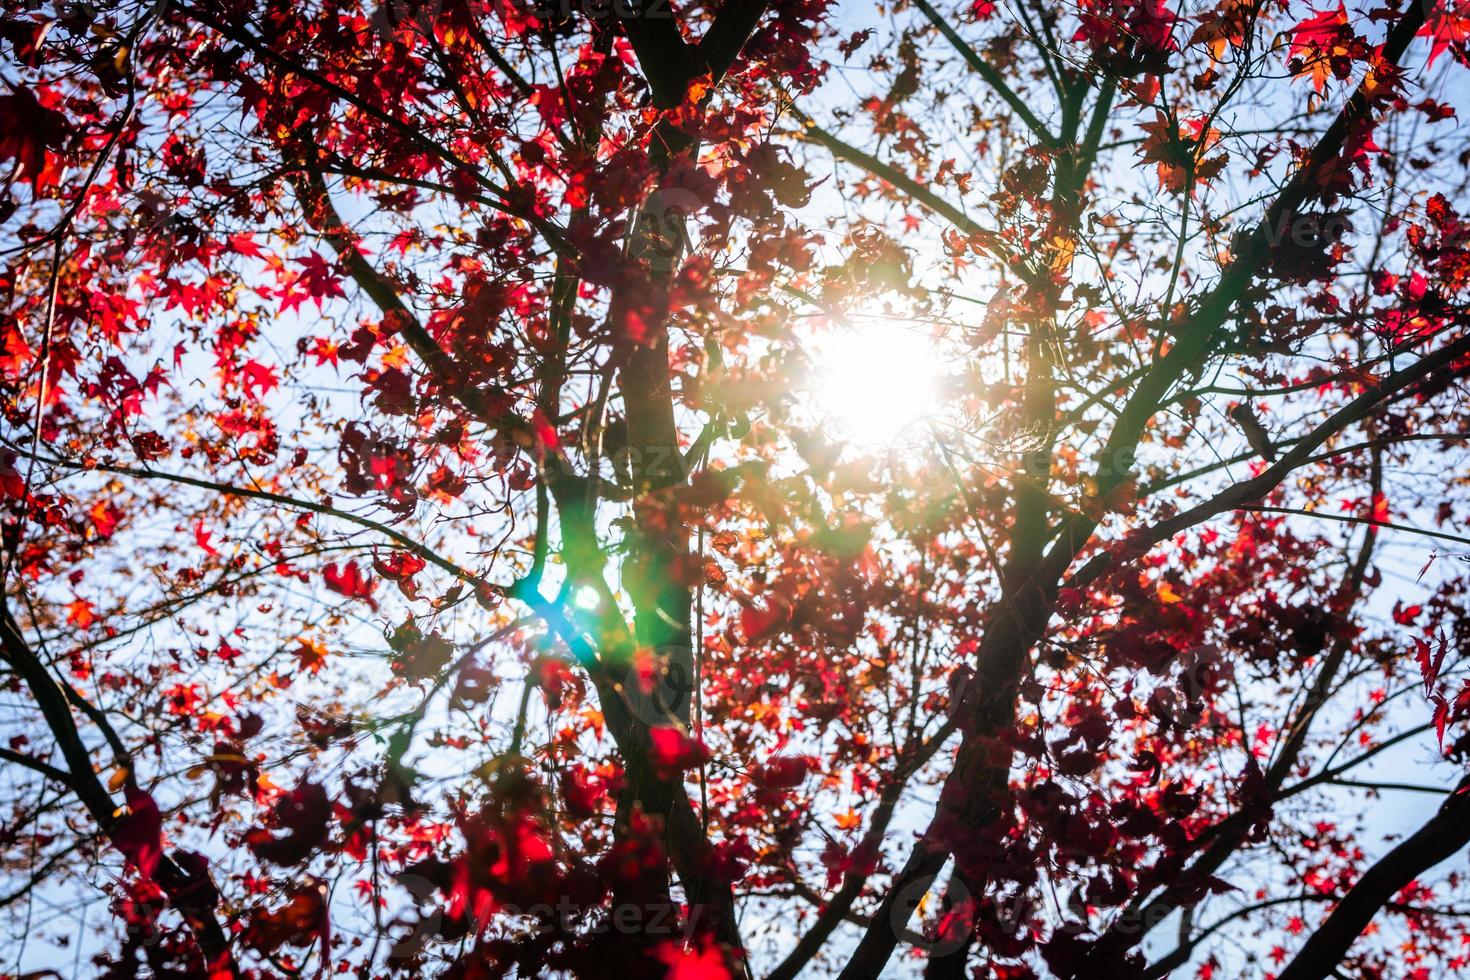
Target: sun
x=876, y=383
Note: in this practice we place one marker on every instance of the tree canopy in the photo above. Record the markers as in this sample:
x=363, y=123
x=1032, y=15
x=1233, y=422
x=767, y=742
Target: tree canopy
x=759, y=488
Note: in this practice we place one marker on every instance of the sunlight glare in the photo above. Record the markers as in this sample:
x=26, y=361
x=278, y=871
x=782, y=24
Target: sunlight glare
x=876, y=384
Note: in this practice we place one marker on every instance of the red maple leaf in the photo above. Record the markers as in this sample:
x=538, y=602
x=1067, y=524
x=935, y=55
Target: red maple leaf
x=1429, y=662
x=1405, y=615
x=319, y=278
x=325, y=351
x=671, y=750
x=350, y=581
x=244, y=243
x=401, y=567
x=105, y=518
x=1318, y=31
x=139, y=834
x=258, y=379
x=858, y=39
x=1317, y=39
x=79, y=613
x=202, y=536
x=693, y=963
x=29, y=135
x=1447, y=27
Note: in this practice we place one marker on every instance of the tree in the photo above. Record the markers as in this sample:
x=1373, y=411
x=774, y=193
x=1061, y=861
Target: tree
x=425, y=554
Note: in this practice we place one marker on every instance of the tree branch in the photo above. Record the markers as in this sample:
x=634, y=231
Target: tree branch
x=192, y=895
x=662, y=53
x=1248, y=491
x=992, y=77
x=976, y=786
x=36, y=765
x=1446, y=833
